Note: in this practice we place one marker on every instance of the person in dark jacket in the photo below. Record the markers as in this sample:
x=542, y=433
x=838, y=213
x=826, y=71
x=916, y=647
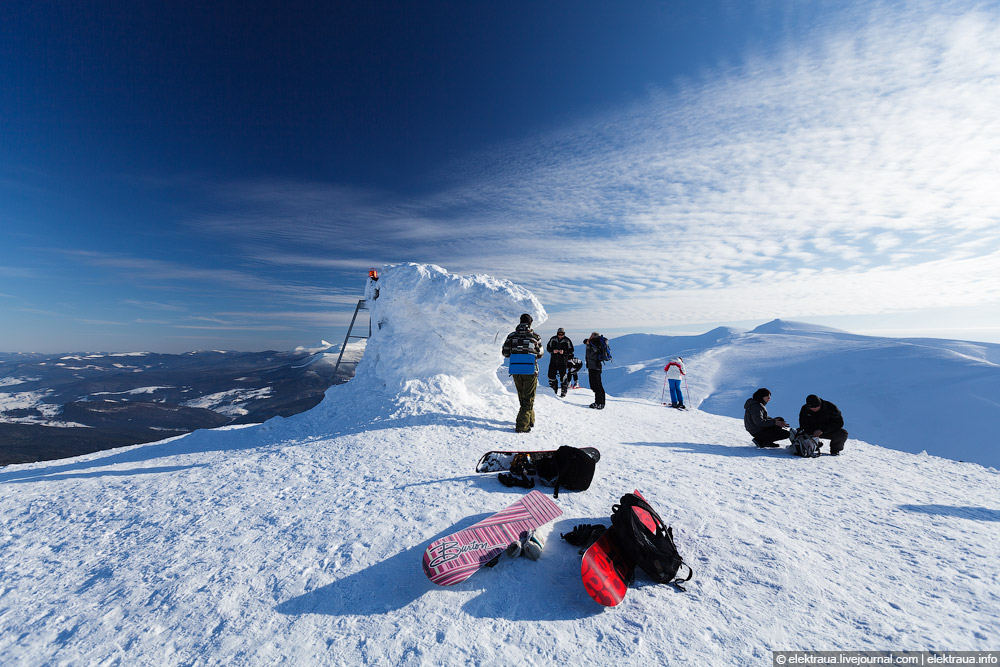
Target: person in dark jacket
x=594, y=367
x=822, y=419
x=523, y=340
x=766, y=431
x=560, y=349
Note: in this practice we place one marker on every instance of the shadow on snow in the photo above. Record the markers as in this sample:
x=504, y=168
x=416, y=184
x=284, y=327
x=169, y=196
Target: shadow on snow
x=518, y=589
x=973, y=513
x=249, y=438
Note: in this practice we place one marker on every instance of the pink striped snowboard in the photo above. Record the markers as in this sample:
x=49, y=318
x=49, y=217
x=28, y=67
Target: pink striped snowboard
x=456, y=557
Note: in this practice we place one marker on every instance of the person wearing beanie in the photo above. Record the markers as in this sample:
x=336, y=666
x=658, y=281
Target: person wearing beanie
x=766, y=431
x=822, y=419
x=594, y=367
x=560, y=349
x=523, y=347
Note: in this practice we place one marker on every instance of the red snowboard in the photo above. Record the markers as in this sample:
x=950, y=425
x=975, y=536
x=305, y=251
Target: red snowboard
x=605, y=570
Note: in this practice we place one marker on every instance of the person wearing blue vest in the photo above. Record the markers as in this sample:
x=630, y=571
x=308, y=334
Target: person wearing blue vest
x=523, y=348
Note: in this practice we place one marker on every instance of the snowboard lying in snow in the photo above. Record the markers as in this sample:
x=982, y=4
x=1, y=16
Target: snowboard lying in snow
x=496, y=461
x=605, y=570
x=456, y=557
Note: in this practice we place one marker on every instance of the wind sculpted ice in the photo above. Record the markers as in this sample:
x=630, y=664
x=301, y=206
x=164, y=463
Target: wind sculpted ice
x=436, y=336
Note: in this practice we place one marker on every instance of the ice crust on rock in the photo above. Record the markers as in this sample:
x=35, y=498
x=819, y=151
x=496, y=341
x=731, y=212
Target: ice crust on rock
x=436, y=336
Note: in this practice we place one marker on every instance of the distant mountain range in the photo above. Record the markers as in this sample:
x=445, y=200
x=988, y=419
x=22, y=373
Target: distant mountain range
x=55, y=406
x=914, y=395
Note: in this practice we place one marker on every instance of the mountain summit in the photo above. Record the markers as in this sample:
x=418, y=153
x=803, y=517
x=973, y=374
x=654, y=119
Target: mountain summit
x=790, y=327
x=299, y=541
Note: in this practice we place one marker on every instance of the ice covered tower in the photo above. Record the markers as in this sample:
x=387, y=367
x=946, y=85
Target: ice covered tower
x=438, y=335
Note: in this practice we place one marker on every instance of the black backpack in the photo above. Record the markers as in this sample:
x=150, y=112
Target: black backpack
x=571, y=468
x=652, y=550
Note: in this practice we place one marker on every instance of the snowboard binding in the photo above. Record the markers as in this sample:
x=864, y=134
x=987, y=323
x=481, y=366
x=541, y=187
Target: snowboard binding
x=511, y=480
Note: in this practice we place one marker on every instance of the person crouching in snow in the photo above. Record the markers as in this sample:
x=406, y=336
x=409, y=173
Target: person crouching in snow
x=573, y=367
x=765, y=430
x=675, y=370
x=524, y=347
x=822, y=419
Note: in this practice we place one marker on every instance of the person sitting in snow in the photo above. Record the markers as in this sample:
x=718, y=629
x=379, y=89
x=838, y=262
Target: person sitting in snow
x=675, y=370
x=523, y=340
x=822, y=419
x=560, y=349
x=765, y=430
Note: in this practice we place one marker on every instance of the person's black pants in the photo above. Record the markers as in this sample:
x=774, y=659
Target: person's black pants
x=770, y=434
x=597, y=386
x=837, y=439
x=557, y=376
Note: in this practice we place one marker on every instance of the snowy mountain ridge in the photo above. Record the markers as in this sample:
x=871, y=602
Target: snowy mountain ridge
x=299, y=540
x=914, y=395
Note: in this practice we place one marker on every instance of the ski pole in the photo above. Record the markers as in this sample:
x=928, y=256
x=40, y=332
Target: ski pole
x=688, y=390
x=664, y=392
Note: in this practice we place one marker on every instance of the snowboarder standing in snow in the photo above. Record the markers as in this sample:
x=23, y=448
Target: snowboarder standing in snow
x=594, y=367
x=766, y=431
x=527, y=345
x=560, y=349
x=822, y=419
x=675, y=370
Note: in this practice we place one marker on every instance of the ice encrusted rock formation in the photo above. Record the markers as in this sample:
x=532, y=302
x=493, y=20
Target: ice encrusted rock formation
x=436, y=336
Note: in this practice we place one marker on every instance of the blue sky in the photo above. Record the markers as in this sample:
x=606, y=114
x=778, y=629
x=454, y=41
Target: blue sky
x=179, y=176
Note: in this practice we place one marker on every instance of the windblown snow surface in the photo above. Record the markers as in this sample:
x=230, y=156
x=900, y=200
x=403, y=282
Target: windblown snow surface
x=299, y=541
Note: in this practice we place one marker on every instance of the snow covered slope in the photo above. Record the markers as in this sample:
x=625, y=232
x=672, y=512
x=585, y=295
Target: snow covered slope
x=939, y=396
x=299, y=541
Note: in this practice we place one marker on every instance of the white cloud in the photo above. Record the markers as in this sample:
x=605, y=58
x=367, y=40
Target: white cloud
x=850, y=172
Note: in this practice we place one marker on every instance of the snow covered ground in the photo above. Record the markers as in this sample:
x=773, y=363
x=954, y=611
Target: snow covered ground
x=299, y=541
